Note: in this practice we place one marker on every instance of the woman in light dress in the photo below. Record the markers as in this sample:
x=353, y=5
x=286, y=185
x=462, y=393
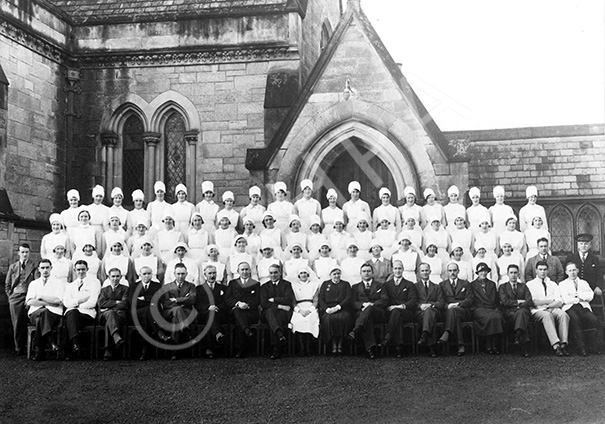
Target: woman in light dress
x=408, y=257
x=70, y=215
x=138, y=214
x=281, y=209
x=434, y=260
x=157, y=207
x=117, y=197
x=355, y=208
x=410, y=209
x=331, y=213
x=208, y=208
x=197, y=238
x=85, y=234
x=254, y=210
x=476, y=213
x=228, y=210
x=182, y=209
x=531, y=210
x=460, y=235
x=58, y=235
x=514, y=237
x=364, y=237
x=386, y=211
x=453, y=209
x=325, y=262
x=500, y=212
x=432, y=210
x=533, y=234
x=99, y=213
x=267, y=259
x=305, y=317
x=306, y=206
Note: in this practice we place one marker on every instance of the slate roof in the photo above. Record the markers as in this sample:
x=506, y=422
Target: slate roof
x=110, y=11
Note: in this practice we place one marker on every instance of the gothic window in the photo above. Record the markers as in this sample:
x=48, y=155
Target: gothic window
x=175, y=154
x=589, y=221
x=133, y=157
x=326, y=33
x=560, y=224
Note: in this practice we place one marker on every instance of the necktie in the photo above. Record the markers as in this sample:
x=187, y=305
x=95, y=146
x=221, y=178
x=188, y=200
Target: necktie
x=426, y=286
x=397, y=281
x=544, y=285
x=211, y=286
x=145, y=287
x=583, y=256
x=515, y=289
x=23, y=265
x=576, y=284
x=454, y=284
x=80, y=283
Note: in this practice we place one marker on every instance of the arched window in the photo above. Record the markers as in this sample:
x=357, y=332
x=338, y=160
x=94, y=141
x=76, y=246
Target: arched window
x=560, y=224
x=175, y=154
x=133, y=157
x=589, y=221
x=326, y=33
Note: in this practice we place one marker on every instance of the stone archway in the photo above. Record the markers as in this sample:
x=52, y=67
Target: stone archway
x=364, y=145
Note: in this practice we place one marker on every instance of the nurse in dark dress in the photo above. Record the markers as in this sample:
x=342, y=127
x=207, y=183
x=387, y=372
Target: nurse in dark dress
x=334, y=307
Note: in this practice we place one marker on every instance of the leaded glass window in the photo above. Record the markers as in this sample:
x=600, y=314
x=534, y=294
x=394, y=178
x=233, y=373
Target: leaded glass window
x=175, y=154
x=133, y=157
x=560, y=224
x=589, y=221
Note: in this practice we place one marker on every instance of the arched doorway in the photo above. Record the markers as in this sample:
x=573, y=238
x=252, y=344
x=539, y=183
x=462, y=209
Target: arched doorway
x=351, y=161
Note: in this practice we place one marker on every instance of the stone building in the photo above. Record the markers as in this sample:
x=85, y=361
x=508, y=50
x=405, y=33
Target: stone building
x=244, y=92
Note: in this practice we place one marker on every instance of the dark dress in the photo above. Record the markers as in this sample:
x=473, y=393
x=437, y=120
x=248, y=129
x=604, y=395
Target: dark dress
x=486, y=315
x=339, y=323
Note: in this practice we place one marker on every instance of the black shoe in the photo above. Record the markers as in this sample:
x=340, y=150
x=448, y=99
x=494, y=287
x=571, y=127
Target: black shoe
x=54, y=347
x=371, y=353
x=275, y=354
x=461, y=351
x=239, y=354
x=68, y=358
x=248, y=332
x=398, y=352
x=282, y=340
x=387, y=340
x=119, y=343
x=559, y=351
x=423, y=339
x=108, y=355
x=174, y=357
x=564, y=350
x=163, y=336
x=220, y=339
x=432, y=352
x=582, y=351
x=526, y=350
x=75, y=347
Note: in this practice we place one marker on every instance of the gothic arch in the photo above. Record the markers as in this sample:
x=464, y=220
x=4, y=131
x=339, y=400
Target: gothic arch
x=170, y=100
x=117, y=112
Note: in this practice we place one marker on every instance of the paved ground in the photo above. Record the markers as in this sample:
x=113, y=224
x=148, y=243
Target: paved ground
x=476, y=388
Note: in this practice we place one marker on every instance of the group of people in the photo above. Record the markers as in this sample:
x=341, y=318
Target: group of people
x=286, y=262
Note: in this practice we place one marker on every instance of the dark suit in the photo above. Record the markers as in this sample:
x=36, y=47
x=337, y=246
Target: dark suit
x=113, y=304
x=516, y=314
x=278, y=319
x=16, y=284
x=589, y=270
x=145, y=306
x=372, y=314
x=485, y=310
x=402, y=294
x=250, y=294
x=555, y=269
x=430, y=316
x=202, y=303
x=454, y=317
x=177, y=311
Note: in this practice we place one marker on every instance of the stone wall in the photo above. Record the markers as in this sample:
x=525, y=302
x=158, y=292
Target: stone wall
x=566, y=161
x=11, y=236
x=34, y=155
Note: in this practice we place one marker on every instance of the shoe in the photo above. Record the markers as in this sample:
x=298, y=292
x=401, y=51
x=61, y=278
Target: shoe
x=68, y=358
x=432, y=352
x=582, y=351
x=282, y=340
x=120, y=343
x=239, y=354
x=76, y=347
x=39, y=356
x=516, y=342
x=558, y=351
x=351, y=335
x=398, y=352
x=143, y=356
x=108, y=355
x=564, y=350
x=423, y=339
x=387, y=339
x=247, y=332
x=371, y=353
x=19, y=352
x=275, y=354
x=461, y=351
x=495, y=351
x=526, y=350
x=220, y=339
x=174, y=357
x=54, y=347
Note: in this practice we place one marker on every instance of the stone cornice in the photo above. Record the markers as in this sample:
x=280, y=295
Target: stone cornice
x=192, y=57
x=33, y=42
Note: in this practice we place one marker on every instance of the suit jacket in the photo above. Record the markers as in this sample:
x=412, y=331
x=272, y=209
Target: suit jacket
x=487, y=298
x=202, y=300
x=185, y=296
x=109, y=298
x=555, y=269
x=434, y=296
x=250, y=293
x=462, y=294
x=147, y=294
x=589, y=271
x=281, y=293
x=508, y=298
x=13, y=273
x=403, y=294
x=377, y=295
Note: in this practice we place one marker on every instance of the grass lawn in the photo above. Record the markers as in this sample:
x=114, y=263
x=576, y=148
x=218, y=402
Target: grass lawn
x=476, y=388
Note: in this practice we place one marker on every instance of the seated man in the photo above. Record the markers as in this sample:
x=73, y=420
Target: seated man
x=243, y=299
x=589, y=266
x=547, y=308
x=178, y=301
x=277, y=301
x=555, y=269
x=144, y=306
x=577, y=294
x=401, y=306
x=486, y=315
x=515, y=301
x=203, y=306
x=430, y=305
x=113, y=302
x=369, y=301
x=458, y=299
x=45, y=301
x=80, y=301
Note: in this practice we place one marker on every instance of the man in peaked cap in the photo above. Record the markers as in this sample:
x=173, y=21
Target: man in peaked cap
x=589, y=266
